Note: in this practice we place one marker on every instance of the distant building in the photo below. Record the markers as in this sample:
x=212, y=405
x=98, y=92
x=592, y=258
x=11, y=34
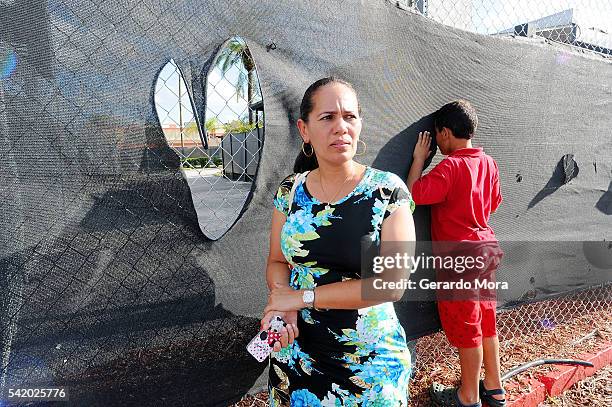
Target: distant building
x=191, y=136
x=581, y=27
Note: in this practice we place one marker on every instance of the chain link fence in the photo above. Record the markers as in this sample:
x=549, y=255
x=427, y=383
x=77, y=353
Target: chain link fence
x=583, y=25
x=524, y=320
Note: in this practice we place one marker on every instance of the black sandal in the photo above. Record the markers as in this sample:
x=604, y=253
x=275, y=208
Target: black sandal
x=487, y=396
x=442, y=396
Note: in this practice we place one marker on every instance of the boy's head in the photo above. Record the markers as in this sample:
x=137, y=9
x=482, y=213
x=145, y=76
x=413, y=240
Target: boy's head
x=454, y=120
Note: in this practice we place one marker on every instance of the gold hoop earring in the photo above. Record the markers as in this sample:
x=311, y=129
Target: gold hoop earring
x=365, y=148
x=311, y=150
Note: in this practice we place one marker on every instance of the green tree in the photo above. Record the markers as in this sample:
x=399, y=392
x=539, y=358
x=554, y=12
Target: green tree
x=238, y=126
x=236, y=52
x=211, y=124
x=191, y=127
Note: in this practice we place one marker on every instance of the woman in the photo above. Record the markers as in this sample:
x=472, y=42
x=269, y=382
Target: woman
x=351, y=351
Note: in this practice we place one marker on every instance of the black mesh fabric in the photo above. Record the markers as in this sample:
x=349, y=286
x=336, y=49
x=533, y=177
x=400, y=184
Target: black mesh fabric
x=109, y=287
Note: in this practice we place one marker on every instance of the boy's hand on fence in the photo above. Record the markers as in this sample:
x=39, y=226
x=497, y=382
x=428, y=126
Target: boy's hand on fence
x=421, y=149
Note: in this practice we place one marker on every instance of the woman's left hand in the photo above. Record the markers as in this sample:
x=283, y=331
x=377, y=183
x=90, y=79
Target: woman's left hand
x=284, y=299
x=288, y=333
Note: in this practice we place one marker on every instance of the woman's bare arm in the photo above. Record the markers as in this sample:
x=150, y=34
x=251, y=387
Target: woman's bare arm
x=277, y=268
x=398, y=227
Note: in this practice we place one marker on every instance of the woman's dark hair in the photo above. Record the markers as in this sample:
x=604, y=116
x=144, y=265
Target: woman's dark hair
x=459, y=117
x=303, y=162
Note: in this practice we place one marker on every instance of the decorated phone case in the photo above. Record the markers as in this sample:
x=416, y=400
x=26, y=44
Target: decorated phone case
x=261, y=345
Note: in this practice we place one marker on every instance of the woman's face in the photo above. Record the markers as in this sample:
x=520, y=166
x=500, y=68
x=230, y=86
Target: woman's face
x=334, y=124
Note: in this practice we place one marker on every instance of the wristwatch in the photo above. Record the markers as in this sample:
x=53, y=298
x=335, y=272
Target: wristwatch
x=308, y=297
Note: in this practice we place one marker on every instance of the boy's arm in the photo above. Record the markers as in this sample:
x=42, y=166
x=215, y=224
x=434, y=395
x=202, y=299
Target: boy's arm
x=433, y=187
x=497, y=196
x=416, y=169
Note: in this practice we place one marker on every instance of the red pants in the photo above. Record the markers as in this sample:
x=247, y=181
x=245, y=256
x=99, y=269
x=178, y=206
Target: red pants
x=465, y=323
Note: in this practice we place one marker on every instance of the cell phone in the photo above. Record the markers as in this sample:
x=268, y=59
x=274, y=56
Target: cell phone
x=261, y=345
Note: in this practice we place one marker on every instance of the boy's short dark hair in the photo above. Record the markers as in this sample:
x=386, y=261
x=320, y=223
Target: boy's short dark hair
x=459, y=117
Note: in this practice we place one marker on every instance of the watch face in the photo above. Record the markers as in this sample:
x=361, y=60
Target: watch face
x=308, y=296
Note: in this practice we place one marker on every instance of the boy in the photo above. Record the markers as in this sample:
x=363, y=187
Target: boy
x=463, y=190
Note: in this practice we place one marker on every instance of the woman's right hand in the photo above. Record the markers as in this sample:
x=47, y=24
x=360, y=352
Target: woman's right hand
x=288, y=333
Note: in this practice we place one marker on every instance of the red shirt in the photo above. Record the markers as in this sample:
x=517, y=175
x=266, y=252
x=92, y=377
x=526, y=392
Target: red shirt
x=463, y=190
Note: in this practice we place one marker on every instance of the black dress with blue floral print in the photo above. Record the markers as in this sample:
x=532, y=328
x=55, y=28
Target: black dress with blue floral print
x=341, y=357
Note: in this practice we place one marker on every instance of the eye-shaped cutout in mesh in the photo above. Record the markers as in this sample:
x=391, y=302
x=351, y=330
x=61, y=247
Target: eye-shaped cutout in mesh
x=219, y=161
